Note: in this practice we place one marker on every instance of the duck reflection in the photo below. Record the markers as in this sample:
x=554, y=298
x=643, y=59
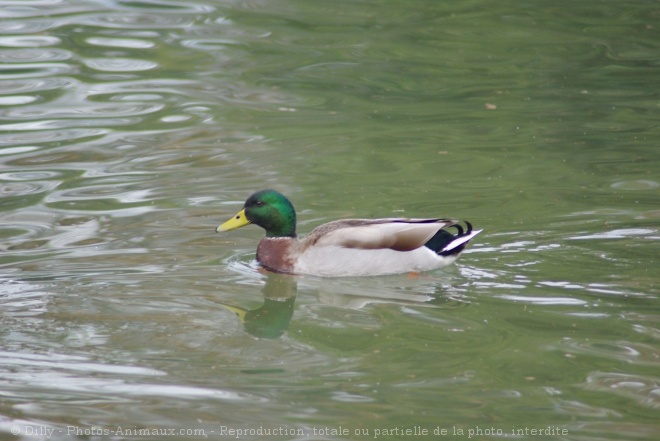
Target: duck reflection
x=272, y=318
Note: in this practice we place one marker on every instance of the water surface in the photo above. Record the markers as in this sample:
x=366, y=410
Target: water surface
x=129, y=130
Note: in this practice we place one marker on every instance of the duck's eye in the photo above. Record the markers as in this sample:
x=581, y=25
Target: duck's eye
x=260, y=203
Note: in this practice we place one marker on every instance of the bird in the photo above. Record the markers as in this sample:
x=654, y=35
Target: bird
x=348, y=247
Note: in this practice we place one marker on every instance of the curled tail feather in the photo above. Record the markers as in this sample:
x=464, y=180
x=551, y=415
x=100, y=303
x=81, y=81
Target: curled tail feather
x=445, y=243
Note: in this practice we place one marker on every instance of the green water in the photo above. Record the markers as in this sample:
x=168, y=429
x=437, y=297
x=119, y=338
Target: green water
x=130, y=130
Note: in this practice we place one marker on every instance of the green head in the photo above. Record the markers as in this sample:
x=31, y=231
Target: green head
x=269, y=209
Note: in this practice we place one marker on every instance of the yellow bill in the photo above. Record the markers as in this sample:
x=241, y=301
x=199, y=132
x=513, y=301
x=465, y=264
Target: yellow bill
x=237, y=221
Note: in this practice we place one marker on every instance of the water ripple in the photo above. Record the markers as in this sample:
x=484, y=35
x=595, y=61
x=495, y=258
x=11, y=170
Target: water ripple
x=637, y=353
x=140, y=90
x=34, y=55
x=17, y=100
x=69, y=362
x=80, y=376
x=23, y=299
x=137, y=21
x=85, y=111
x=29, y=41
x=41, y=137
x=33, y=70
x=636, y=185
x=544, y=300
x=23, y=189
x=17, y=150
x=64, y=124
x=95, y=192
x=132, y=43
x=119, y=64
x=620, y=233
x=35, y=85
x=643, y=390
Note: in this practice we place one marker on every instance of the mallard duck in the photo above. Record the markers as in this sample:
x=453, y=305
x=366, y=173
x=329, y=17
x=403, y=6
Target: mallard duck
x=349, y=247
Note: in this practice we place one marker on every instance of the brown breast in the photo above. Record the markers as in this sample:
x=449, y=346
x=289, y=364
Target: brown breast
x=274, y=253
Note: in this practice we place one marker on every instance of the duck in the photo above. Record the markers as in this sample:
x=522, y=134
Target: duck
x=349, y=247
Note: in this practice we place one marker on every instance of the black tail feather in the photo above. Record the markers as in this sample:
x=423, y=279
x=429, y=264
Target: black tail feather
x=443, y=238
x=459, y=229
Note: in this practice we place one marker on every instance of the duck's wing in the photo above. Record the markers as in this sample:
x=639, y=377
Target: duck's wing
x=372, y=234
